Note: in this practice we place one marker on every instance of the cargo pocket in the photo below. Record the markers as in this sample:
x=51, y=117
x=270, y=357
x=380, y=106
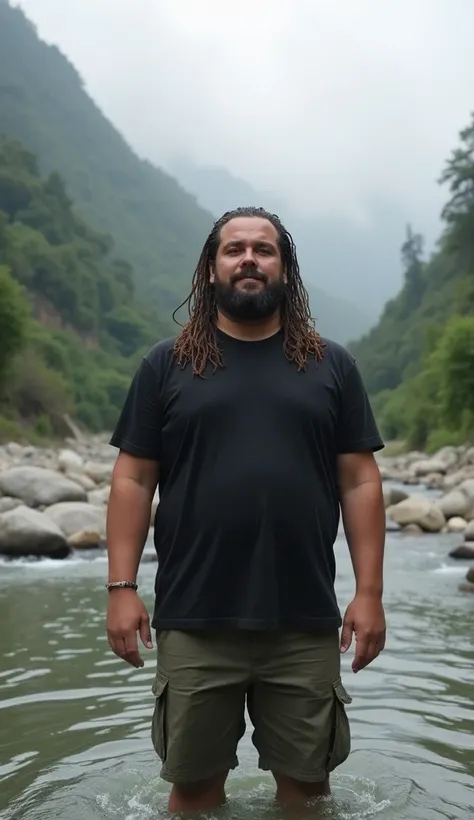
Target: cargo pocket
x=341, y=739
x=158, y=724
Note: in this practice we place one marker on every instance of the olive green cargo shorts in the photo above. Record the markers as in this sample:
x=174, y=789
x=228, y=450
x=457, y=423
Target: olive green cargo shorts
x=290, y=682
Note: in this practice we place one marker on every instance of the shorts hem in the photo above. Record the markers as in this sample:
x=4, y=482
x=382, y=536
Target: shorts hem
x=184, y=779
x=302, y=624
x=317, y=776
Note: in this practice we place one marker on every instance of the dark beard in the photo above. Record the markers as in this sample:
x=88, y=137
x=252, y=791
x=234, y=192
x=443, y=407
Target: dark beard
x=249, y=305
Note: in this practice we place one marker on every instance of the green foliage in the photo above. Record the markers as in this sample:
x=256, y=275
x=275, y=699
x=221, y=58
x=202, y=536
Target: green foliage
x=436, y=406
x=156, y=226
x=418, y=361
x=76, y=353
x=14, y=315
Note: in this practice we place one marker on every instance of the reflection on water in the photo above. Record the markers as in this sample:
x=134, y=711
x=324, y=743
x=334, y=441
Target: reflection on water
x=74, y=720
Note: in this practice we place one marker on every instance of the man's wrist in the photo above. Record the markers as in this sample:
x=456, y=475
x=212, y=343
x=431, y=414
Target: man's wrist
x=374, y=592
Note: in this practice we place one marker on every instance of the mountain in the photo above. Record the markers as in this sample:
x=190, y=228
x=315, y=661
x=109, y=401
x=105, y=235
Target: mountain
x=418, y=360
x=157, y=227
x=71, y=328
x=217, y=190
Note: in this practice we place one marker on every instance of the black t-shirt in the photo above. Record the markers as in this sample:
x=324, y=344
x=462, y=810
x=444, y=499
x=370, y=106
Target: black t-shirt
x=249, y=507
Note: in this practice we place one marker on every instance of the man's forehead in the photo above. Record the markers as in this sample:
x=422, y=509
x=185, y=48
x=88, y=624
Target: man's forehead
x=249, y=227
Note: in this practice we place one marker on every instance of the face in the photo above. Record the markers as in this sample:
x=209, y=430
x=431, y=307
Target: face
x=248, y=275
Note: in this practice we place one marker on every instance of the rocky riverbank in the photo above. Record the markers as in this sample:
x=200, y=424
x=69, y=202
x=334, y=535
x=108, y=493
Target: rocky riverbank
x=53, y=501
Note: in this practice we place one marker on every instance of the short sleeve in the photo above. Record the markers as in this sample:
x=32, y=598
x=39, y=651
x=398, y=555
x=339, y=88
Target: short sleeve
x=357, y=430
x=138, y=429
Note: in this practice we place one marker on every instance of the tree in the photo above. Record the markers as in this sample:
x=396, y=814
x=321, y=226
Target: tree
x=14, y=314
x=459, y=210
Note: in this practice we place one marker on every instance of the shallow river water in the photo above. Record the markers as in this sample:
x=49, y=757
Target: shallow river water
x=74, y=720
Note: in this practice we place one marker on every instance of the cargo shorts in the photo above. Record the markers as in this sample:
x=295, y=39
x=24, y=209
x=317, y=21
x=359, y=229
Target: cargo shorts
x=290, y=683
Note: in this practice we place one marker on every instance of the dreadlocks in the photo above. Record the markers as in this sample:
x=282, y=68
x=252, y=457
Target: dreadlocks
x=197, y=342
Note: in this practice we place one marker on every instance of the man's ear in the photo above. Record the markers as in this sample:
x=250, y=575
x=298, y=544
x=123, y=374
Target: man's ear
x=211, y=274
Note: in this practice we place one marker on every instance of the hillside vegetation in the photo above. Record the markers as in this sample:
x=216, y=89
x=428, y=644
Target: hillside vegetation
x=418, y=361
x=157, y=227
x=70, y=328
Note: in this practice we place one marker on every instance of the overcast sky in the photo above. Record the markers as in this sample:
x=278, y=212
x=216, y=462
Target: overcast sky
x=332, y=103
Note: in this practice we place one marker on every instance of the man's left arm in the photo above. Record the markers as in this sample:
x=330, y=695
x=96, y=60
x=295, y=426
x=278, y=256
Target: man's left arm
x=363, y=514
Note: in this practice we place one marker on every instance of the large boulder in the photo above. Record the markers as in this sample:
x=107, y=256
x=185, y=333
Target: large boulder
x=467, y=487
x=99, y=497
x=418, y=510
x=98, y=472
x=69, y=461
x=426, y=466
x=469, y=531
x=391, y=496
x=7, y=503
x=454, y=503
x=75, y=516
x=24, y=531
x=39, y=487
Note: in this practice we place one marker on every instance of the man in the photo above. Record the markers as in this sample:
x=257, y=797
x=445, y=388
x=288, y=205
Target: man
x=258, y=433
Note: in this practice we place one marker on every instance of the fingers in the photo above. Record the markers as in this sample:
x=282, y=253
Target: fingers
x=126, y=647
x=145, y=633
x=346, y=635
x=367, y=649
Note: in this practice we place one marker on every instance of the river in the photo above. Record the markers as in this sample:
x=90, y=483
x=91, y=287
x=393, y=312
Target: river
x=74, y=720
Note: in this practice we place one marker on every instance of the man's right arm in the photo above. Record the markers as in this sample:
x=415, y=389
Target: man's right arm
x=135, y=478
x=134, y=483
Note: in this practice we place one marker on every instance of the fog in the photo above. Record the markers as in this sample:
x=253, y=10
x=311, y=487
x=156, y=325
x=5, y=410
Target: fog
x=337, y=108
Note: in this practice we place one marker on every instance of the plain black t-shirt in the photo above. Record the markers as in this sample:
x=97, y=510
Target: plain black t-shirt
x=249, y=508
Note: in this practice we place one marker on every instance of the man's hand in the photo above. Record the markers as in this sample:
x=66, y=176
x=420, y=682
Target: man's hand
x=127, y=615
x=366, y=618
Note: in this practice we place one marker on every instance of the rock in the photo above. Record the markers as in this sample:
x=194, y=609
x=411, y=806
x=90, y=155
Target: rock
x=469, y=532
x=100, y=498
x=453, y=480
x=86, y=539
x=412, y=529
x=464, y=553
x=418, y=510
x=76, y=516
x=456, y=524
x=467, y=487
x=427, y=466
x=466, y=587
x=454, y=503
x=100, y=473
x=449, y=456
x=70, y=461
x=434, y=481
x=470, y=575
x=83, y=480
x=39, y=487
x=468, y=456
x=392, y=496
x=24, y=531
x=7, y=503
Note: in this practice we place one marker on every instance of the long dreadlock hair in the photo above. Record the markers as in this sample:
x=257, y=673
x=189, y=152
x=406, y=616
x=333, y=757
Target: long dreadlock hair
x=197, y=342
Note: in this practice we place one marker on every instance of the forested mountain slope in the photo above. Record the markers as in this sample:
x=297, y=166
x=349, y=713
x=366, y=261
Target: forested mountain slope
x=157, y=226
x=71, y=329
x=418, y=361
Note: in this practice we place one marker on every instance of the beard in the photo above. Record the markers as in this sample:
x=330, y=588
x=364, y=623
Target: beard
x=253, y=304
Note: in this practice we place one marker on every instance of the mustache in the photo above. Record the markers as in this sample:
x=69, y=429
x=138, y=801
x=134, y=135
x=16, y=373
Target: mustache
x=249, y=272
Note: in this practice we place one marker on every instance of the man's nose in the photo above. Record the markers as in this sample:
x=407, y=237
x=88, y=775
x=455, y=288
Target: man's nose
x=249, y=257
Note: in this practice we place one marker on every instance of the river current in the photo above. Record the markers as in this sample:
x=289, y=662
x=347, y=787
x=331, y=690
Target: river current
x=74, y=719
